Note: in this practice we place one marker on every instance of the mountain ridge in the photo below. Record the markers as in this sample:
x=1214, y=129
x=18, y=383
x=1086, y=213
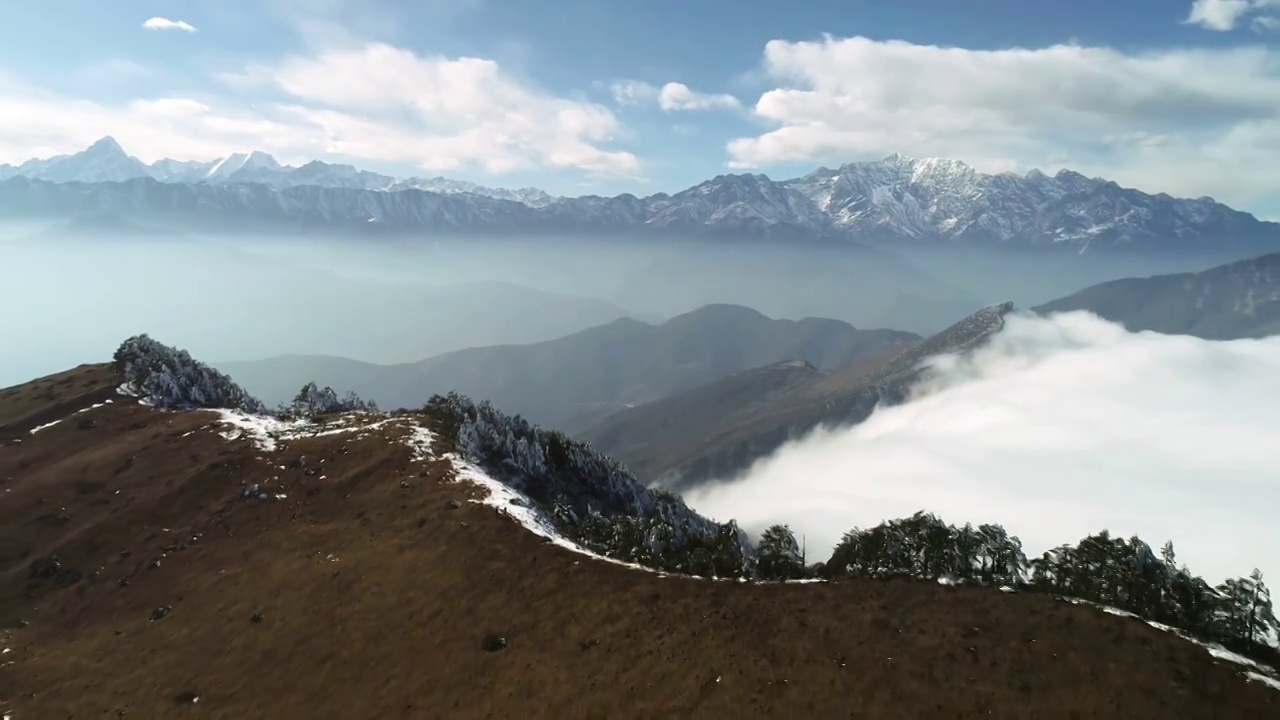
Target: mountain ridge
x=882, y=202
x=1227, y=302
x=568, y=381
x=715, y=431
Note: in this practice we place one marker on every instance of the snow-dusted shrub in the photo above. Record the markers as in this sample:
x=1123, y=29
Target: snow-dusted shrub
x=314, y=400
x=167, y=377
x=592, y=498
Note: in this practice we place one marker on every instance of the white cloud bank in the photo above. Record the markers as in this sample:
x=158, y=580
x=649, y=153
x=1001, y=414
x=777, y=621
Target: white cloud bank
x=1185, y=121
x=371, y=102
x=1061, y=427
x=672, y=97
x=159, y=23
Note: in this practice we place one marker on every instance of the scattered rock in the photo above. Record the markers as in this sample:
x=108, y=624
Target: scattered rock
x=86, y=424
x=161, y=612
x=454, y=504
x=45, y=567
x=258, y=617
x=494, y=643
x=189, y=697
x=588, y=644
x=404, y=483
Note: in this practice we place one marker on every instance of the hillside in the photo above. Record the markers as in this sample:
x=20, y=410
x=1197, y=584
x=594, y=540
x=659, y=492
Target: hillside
x=214, y=564
x=1229, y=302
x=568, y=382
x=673, y=443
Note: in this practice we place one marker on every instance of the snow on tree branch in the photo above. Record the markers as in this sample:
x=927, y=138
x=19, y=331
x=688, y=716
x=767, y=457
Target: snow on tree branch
x=170, y=378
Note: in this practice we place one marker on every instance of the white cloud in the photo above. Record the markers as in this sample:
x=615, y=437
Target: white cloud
x=1265, y=23
x=672, y=97
x=676, y=96
x=1208, y=117
x=1221, y=15
x=633, y=92
x=159, y=23
x=1060, y=428
x=372, y=103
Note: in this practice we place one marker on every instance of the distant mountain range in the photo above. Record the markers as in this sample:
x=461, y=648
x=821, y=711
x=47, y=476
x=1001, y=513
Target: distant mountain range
x=1229, y=302
x=885, y=202
x=571, y=381
x=106, y=161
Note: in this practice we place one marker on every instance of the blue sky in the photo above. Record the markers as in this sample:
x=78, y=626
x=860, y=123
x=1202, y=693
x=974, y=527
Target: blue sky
x=570, y=96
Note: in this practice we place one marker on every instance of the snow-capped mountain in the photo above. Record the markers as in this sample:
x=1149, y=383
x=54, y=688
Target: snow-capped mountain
x=106, y=161
x=103, y=161
x=891, y=201
x=901, y=197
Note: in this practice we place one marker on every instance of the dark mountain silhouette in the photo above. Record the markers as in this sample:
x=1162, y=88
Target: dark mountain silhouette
x=1228, y=302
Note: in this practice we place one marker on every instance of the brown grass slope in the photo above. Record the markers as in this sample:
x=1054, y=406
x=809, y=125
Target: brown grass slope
x=375, y=597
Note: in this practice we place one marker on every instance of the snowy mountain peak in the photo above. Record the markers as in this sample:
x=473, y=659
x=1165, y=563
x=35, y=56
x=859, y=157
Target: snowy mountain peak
x=105, y=147
x=246, y=167
x=103, y=161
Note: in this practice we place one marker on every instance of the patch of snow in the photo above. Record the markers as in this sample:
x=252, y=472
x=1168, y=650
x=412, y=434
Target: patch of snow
x=1268, y=681
x=38, y=428
x=419, y=441
x=127, y=390
x=263, y=430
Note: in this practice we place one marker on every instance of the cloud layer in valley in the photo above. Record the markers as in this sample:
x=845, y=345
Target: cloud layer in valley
x=1059, y=428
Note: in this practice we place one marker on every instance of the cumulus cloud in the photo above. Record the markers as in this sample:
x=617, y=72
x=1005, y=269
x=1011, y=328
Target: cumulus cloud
x=1221, y=15
x=1225, y=15
x=159, y=23
x=672, y=97
x=1207, y=118
x=1061, y=427
x=373, y=102
x=676, y=96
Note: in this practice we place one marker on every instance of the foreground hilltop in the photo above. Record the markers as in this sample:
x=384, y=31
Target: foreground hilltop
x=307, y=563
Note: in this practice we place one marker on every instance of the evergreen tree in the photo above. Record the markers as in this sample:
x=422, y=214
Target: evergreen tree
x=778, y=555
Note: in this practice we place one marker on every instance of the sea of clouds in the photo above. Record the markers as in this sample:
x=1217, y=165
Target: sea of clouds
x=1058, y=428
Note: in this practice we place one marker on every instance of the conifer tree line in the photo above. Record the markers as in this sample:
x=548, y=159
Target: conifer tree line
x=596, y=502
x=1118, y=572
